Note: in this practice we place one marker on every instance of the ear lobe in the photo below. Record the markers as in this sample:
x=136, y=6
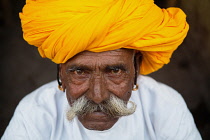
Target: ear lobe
x=61, y=84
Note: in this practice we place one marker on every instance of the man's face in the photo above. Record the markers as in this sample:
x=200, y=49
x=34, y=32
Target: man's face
x=97, y=76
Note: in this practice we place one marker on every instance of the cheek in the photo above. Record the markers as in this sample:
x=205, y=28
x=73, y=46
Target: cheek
x=122, y=90
x=74, y=91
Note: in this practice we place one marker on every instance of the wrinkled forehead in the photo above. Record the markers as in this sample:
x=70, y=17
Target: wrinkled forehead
x=108, y=57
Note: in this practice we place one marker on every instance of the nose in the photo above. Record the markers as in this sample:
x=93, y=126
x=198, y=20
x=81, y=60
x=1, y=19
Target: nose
x=98, y=92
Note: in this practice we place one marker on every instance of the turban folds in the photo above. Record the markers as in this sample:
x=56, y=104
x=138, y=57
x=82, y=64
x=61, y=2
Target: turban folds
x=62, y=28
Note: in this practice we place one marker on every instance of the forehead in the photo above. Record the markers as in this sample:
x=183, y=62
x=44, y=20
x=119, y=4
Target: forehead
x=109, y=57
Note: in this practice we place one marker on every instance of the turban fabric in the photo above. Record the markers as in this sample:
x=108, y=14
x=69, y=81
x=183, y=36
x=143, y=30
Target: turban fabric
x=63, y=28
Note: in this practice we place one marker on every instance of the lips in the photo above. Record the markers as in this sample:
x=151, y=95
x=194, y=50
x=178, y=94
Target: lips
x=97, y=121
x=98, y=115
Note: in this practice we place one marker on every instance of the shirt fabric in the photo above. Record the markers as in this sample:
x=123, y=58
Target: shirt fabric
x=161, y=114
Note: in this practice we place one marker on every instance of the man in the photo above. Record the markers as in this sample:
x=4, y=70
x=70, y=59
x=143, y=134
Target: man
x=100, y=48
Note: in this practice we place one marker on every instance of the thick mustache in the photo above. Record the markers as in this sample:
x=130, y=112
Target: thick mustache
x=113, y=107
x=104, y=107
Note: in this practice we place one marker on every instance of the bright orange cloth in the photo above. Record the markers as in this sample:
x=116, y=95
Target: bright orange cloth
x=62, y=28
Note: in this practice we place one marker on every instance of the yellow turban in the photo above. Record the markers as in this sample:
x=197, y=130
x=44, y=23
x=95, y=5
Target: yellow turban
x=62, y=28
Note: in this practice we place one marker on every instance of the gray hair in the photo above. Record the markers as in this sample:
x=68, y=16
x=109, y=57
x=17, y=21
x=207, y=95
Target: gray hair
x=114, y=107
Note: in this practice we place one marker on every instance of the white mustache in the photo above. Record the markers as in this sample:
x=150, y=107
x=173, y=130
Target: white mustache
x=113, y=107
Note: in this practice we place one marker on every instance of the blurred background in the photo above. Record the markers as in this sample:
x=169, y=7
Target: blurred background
x=23, y=70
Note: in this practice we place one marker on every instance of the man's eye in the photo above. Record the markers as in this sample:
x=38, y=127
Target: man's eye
x=116, y=71
x=79, y=72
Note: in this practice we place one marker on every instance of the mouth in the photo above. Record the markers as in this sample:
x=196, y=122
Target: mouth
x=97, y=120
x=97, y=116
x=98, y=113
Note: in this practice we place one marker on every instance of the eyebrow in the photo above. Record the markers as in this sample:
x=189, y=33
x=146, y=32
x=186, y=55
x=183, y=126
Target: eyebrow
x=74, y=67
x=116, y=66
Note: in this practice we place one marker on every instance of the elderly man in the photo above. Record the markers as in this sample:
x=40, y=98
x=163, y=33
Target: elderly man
x=101, y=47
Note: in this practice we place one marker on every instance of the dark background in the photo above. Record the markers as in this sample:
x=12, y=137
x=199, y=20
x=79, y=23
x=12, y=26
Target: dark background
x=23, y=70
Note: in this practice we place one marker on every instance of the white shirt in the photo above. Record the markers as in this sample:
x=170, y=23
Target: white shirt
x=161, y=114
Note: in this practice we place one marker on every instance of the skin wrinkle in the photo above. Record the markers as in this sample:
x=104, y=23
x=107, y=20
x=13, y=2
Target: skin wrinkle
x=99, y=76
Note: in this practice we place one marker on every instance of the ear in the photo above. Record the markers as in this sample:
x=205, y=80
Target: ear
x=60, y=77
x=137, y=63
x=59, y=74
